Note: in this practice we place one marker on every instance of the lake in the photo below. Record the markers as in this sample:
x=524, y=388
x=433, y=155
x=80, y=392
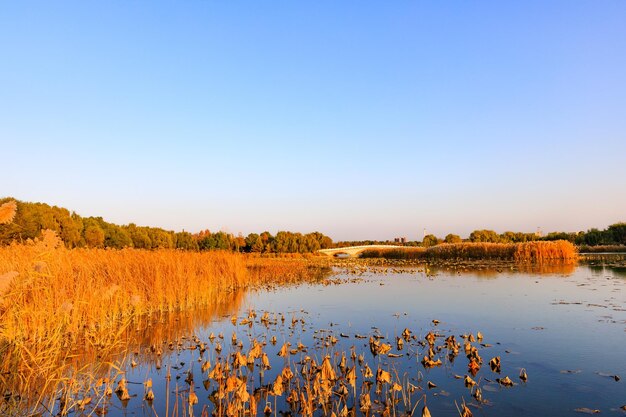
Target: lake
x=564, y=325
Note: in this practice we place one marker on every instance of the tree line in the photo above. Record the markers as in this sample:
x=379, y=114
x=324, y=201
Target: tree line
x=94, y=232
x=614, y=234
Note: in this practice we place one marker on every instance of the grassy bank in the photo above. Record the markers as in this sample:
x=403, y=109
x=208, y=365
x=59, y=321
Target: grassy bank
x=539, y=251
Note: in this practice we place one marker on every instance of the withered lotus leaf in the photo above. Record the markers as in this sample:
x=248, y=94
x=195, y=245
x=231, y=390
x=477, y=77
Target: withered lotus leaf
x=384, y=348
x=365, y=402
x=328, y=372
x=287, y=374
x=242, y=392
x=367, y=372
x=494, y=363
x=351, y=376
x=277, y=387
x=506, y=381
x=523, y=375
x=383, y=376
x=284, y=351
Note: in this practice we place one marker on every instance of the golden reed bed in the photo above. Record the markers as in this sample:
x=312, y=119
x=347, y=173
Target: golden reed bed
x=57, y=303
x=537, y=251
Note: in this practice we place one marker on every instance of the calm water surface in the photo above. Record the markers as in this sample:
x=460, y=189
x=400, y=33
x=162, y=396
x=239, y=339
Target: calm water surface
x=567, y=328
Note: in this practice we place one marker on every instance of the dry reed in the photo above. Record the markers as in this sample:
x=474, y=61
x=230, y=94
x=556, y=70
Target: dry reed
x=539, y=251
x=8, y=211
x=55, y=302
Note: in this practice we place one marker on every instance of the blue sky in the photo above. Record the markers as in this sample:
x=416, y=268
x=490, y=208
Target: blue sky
x=358, y=119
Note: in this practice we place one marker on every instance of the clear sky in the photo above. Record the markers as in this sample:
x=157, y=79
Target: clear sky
x=359, y=119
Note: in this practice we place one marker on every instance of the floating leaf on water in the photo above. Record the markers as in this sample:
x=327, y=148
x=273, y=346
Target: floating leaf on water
x=479, y=336
x=406, y=334
x=431, y=385
x=523, y=375
x=149, y=395
x=494, y=364
x=586, y=410
x=399, y=343
x=615, y=377
x=469, y=382
x=473, y=367
x=425, y=412
x=506, y=381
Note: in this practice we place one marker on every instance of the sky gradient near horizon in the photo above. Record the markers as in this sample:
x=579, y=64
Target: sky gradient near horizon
x=359, y=119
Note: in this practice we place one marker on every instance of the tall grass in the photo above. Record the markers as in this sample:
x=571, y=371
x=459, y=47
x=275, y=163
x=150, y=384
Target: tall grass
x=56, y=304
x=83, y=293
x=545, y=251
x=539, y=251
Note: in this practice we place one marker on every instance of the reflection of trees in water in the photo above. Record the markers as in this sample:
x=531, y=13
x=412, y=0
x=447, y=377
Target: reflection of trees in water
x=606, y=263
x=617, y=271
x=148, y=339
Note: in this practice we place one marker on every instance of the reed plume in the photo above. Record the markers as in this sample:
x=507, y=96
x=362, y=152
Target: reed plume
x=7, y=212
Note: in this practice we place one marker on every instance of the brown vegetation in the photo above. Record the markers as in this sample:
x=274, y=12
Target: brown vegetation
x=537, y=251
x=56, y=302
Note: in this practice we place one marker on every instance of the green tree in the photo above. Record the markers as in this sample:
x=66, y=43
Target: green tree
x=430, y=240
x=254, y=243
x=94, y=236
x=139, y=236
x=484, y=236
x=618, y=233
x=450, y=238
x=184, y=240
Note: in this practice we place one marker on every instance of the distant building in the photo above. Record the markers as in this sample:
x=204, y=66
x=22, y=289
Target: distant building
x=399, y=239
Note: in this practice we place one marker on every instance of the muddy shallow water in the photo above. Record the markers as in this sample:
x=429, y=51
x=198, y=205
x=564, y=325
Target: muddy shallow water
x=566, y=328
